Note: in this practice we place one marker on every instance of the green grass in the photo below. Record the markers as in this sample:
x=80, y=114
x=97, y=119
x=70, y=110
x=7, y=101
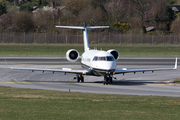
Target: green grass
x=30, y=104
x=177, y=81
x=61, y=49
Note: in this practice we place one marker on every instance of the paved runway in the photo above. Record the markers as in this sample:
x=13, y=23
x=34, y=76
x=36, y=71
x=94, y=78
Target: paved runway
x=62, y=60
x=129, y=84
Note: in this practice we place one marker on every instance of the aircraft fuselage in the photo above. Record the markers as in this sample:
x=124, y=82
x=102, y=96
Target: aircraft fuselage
x=98, y=62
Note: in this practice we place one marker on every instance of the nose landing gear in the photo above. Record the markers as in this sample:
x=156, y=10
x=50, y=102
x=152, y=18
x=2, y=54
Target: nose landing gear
x=107, y=79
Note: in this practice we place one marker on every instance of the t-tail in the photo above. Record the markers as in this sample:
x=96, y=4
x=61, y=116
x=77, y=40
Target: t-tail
x=85, y=35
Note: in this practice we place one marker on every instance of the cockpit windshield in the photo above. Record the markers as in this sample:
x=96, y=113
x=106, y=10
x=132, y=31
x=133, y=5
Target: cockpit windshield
x=110, y=58
x=106, y=58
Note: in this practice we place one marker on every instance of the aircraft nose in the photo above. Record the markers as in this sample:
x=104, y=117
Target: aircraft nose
x=106, y=65
x=111, y=66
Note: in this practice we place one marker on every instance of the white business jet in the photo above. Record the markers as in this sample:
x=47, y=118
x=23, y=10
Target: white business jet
x=94, y=62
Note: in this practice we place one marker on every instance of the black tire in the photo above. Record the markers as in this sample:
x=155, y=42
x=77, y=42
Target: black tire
x=78, y=79
x=107, y=79
x=104, y=83
x=110, y=79
x=82, y=79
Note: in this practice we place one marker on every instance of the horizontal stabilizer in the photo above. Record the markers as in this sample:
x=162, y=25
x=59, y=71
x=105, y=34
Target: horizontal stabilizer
x=97, y=27
x=77, y=27
x=85, y=35
x=72, y=27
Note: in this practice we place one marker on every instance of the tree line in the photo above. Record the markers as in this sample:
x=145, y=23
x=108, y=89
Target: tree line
x=123, y=16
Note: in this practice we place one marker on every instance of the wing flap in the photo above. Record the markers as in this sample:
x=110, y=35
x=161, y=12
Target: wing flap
x=65, y=70
x=121, y=71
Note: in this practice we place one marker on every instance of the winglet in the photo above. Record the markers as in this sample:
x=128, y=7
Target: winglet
x=175, y=67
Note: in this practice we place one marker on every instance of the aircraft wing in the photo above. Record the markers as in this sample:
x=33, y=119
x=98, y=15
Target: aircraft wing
x=65, y=70
x=124, y=70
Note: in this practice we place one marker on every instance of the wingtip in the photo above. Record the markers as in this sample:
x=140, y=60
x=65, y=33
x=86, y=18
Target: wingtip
x=175, y=67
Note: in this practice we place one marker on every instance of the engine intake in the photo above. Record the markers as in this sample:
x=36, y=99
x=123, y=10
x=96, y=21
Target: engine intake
x=72, y=55
x=114, y=52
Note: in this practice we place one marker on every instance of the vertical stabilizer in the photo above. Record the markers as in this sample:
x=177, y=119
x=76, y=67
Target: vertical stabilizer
x=85, y=38
x=85, y=35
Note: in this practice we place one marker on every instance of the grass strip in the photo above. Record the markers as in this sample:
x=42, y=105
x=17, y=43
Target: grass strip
x=177, y=81
x=31, y=104
x=61, y=49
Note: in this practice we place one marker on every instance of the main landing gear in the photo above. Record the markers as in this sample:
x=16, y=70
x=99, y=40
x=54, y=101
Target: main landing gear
x=80, y=78
x=107, y=79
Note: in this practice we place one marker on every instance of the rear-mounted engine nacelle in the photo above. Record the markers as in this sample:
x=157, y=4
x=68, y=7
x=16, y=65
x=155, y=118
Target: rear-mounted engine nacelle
x=72, y=55
x=114, y=52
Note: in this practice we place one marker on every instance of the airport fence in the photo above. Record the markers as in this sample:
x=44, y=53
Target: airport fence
x=108, y=38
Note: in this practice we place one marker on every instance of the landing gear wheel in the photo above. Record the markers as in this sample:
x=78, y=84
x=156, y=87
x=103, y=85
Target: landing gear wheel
x=105, y=80
x=78, y=79
x=104, y=83
x=82, y=79
x=110, y=79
